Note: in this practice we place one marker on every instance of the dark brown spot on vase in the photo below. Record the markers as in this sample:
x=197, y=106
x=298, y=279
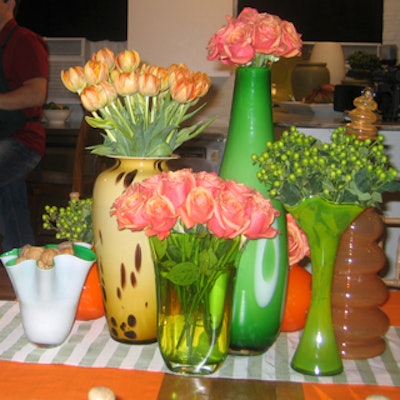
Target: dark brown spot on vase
x=130, y=177
x=119, y=177
x=138, y=257
x=104, y=293
x=113, y=321
x=131, y=320
x=130, y=334
x=133, y=279
x=146, y=304
x=123, y=275
x=114, y=332
x=119, y=294
x=100, y=236
x=122, y=326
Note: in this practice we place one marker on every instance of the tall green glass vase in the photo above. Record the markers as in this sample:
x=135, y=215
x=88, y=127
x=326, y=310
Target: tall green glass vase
x=323, y=222
x=260, y=286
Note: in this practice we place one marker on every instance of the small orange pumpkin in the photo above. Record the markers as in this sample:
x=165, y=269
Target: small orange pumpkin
x=298, y=299
x=91, y=301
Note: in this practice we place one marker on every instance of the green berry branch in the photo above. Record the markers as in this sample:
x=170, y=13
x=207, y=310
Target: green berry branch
x=344, y=170
x=73, y=222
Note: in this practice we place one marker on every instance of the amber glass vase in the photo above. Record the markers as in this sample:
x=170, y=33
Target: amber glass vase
x=358, y=291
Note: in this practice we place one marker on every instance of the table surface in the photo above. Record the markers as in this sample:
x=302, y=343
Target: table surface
x=90, y=358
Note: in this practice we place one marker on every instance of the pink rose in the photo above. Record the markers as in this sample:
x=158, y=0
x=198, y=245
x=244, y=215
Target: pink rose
x=252, y=33
x=152, y=185
x=249, y=15
x=129, y=210
x=199, y=207
x=176, y=186
x=229, y=219
x=232, y=44
x=242, y=192
x=297, y=241
x=267, y=34
x=161, y=216
x=290, y=41
x=209, y=180
x=261, y=215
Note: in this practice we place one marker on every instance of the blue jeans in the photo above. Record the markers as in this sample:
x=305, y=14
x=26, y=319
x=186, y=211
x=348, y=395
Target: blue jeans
x=16, y=161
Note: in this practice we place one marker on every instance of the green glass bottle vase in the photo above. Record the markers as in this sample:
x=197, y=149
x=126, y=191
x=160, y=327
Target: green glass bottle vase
x=323, y=222
x=260, y=286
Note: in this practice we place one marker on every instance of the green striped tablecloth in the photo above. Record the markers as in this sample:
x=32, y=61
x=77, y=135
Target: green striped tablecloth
x=90, y=344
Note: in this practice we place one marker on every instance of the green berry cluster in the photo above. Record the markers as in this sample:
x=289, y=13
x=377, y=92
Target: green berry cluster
x=344, y=170
x=73, y=222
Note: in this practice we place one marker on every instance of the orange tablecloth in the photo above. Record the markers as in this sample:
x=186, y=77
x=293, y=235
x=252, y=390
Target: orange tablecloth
x=20, y=381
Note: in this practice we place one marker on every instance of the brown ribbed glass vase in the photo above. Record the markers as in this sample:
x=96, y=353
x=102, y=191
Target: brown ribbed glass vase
x=358, y=291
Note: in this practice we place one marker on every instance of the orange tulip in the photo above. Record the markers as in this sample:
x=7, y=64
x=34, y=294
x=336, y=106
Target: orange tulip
x=95, y=72
x=127, y=61
x=160, y=72
x=74, y=79
x=93, y=98
x=182, y=90
x=110, y=91
x=126, y=83
x=106, y=56
x=202, y=83
x=149, y=85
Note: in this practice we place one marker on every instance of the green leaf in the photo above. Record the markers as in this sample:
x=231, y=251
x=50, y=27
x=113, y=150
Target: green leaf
x=183, y=274
x=159, y=247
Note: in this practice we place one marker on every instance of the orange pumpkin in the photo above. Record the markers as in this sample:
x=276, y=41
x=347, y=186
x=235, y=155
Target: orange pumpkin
x=298, y=299
x=91, y=301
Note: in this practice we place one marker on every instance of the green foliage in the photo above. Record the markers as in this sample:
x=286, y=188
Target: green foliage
x=73, y=222
x=364, y=61
x=345, y=170
x=145, y=127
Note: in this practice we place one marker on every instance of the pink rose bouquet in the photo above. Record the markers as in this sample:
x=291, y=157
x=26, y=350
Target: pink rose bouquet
x=184, y=202
x=254, y=39
x=297, y=241
x=197, y=225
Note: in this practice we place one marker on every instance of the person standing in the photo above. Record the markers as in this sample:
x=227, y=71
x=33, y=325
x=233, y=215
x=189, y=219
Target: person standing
x=23, y=88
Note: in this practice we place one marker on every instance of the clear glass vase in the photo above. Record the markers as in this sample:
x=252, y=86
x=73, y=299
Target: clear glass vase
x=194, y=275
x=323, y=223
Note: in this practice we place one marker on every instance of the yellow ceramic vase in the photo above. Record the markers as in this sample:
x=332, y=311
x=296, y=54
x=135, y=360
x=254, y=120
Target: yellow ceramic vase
x=125, y=263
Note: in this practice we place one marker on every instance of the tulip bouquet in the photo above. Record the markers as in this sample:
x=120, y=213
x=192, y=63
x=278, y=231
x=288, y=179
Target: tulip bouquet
x=254, y=39
x=197, y=223
x=140, y=107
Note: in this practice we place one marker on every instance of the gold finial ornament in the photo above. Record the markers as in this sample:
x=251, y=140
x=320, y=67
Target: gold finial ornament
x=363, y=116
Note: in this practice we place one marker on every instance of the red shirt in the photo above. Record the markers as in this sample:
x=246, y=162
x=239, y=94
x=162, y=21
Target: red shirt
x=26, y=57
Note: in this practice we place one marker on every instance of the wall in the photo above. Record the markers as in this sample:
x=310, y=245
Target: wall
x=177, y=31
x=391, y=15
